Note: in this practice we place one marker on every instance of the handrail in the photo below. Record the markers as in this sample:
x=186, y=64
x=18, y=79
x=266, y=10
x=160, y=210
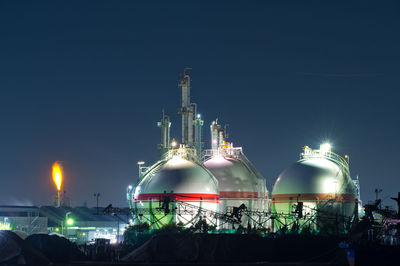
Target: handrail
x=188, y=153
x=328, y=155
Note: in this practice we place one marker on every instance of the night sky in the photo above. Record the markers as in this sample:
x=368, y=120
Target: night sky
x=84, y=82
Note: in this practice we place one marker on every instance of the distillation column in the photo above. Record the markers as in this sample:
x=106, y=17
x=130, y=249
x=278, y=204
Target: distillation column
x=165, y=126
x=187, y=110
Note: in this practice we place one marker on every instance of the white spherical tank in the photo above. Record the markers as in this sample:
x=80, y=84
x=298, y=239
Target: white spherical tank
x=320, y=181
x=238, y=183
x=174, y=181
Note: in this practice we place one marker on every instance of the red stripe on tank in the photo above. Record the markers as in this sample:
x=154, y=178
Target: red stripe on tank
x=184, y=197
x=237, y=195
x=314, y=197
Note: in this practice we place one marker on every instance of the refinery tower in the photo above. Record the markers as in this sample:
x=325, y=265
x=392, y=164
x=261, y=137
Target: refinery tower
x=192, y=187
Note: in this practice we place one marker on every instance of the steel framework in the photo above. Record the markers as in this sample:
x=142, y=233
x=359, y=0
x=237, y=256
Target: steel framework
x=296, y=221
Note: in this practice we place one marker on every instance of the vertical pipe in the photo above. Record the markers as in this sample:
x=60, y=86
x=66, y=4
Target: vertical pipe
x=165, y=126
x=198, y=125
x=58, y=198
x=214, y=135
x=168, y=134
x=183, y=84
x=221, y=137
x=190, y=118
x=186, y=110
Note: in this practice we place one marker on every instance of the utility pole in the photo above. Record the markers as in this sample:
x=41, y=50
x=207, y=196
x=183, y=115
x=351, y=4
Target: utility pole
x=97, y=195
x=377, y=191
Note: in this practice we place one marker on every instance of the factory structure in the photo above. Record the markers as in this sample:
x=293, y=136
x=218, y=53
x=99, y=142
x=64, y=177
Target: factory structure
x=219, y=188
x=316, y=193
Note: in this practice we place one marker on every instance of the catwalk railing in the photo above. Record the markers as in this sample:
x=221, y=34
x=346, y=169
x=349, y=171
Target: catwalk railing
x=296, y=220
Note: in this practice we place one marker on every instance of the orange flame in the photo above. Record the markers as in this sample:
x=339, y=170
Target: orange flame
x=57, y=175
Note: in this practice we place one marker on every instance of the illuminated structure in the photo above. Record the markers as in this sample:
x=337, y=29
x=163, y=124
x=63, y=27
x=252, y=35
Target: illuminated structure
x=83, y=225
x=222, y=188
x=57, y=179
x=178, y=177
x=239, y=182
x=181, y=189
x=27, y=219
x=79, y=224
x=316, y=193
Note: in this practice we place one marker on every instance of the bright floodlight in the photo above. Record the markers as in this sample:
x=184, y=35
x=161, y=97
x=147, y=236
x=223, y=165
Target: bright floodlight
x=198, y=116
x=70, y=221
x=173, y=144
x=326, y=147
x=140, y=163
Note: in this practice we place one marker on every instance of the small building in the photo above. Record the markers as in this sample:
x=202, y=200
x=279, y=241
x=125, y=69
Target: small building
x=82, y=224
x=79, y=224
x=27, y=219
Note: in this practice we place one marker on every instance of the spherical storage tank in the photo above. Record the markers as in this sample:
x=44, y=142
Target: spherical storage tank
x=238, y=182
x=175, y=184
x=316, y=193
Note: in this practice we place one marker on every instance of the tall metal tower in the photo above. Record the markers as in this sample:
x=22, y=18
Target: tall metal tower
x=187, y=110
x=198, y=125
x=165, y=126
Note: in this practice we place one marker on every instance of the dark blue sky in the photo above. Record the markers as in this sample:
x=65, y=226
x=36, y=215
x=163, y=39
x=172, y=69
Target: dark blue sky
x=84, y=82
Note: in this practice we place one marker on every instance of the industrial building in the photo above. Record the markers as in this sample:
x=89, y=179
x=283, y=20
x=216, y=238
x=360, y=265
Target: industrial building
x=79, y=224
x=220, y=187
x=189, y=186
x=26, y=219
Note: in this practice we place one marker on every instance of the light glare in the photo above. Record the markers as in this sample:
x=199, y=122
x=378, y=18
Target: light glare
x=325, y=147
x=57, y=175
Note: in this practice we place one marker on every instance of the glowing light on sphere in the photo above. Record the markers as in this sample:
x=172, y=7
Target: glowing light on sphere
x=325, y=147
x=173, y=144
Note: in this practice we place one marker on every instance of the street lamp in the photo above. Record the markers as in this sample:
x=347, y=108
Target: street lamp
x=97, y=195
x=70, y=222
x=66, y=223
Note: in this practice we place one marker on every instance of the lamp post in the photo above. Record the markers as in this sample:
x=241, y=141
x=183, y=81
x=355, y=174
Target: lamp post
x=377, y=191
x=97, y=195
x=69, y=222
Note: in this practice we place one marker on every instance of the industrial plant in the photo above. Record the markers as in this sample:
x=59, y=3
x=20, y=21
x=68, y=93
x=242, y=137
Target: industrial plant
x=220, y=189
x=210, y=204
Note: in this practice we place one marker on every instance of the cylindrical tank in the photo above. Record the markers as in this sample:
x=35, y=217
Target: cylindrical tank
x=238, y=183
x=168, y=183
x=315, y=193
